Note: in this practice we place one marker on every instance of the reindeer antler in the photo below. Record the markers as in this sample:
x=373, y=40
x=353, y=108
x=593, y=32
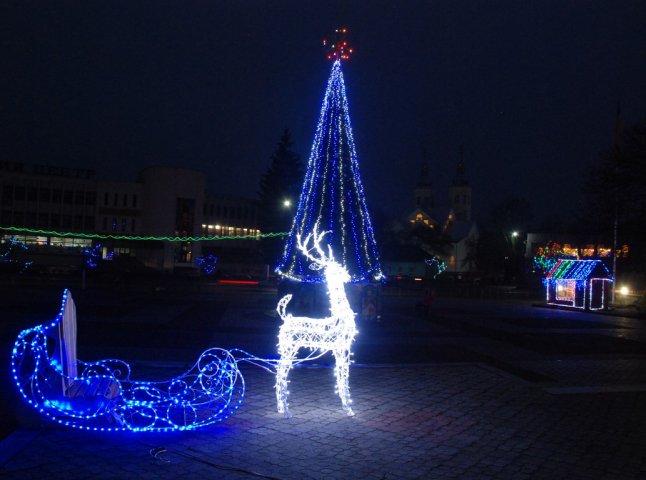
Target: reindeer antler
x=314, y=235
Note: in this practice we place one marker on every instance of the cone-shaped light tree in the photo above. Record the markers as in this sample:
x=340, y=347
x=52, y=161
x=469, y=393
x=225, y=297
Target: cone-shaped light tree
x=332, y=194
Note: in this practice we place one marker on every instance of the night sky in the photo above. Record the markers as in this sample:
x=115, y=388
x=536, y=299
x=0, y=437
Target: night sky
x=529, y=88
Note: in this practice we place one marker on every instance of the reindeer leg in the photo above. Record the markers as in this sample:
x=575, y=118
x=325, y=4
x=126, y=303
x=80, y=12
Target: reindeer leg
x=284, y=366
x=342, y=372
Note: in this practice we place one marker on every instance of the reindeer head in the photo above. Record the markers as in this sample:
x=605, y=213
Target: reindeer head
x=320, y=260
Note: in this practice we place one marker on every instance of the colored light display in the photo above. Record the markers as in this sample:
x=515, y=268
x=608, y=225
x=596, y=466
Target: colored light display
x=320, y=335
x=574, y=269
x=100, y=396
x=547, y=256
x=332, y=196
x=437, y=266
x=337, y=47
x=101, y=236
x=578, y=283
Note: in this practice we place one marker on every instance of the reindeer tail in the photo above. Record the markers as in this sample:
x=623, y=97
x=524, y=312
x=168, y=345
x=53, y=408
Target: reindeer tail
x=282, y=305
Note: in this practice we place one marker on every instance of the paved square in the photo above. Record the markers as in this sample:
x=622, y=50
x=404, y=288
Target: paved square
x=412, y=422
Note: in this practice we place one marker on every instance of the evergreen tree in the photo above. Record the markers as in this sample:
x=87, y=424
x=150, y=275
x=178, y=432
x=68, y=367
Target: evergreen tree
x=332, y=196
x=280, y=184
x=279, y=189
x=615, y=190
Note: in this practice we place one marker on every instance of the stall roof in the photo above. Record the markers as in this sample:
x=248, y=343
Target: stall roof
x=579, y=270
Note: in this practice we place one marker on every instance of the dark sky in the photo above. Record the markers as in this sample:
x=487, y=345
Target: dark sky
x=529, y=87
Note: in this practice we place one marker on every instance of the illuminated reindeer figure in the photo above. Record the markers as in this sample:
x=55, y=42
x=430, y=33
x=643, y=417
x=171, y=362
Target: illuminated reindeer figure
x=334, y=333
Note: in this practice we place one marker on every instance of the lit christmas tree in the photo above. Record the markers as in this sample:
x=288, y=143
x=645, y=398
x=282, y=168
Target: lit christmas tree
x=332, y=195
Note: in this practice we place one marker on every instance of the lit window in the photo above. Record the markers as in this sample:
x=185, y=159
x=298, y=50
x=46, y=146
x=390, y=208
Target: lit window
x=565, y=290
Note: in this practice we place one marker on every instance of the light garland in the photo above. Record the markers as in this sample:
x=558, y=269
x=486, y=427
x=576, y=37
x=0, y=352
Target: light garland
x=100, y=396
x=547, y=256
x=101, y=236
x=333, y=334
x=332, y=195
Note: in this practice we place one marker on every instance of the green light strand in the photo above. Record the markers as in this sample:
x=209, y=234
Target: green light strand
x=99, y=236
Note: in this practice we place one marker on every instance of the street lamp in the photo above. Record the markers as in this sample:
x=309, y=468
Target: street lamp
x=287, y=203
x=512, y=256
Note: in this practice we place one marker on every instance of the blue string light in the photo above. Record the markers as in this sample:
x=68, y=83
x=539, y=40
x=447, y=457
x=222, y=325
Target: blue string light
x=332, y=195
x=92, y=255
x=13, y=251
x=207, y=264
x=102, y=397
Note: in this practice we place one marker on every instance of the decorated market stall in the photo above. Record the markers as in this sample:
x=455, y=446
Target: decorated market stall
x=582, y=284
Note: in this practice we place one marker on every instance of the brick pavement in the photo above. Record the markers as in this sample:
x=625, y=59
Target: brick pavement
x=462, y=421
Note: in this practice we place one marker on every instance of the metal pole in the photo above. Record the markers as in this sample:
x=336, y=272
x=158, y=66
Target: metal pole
x=618, y=131
x=614, y=243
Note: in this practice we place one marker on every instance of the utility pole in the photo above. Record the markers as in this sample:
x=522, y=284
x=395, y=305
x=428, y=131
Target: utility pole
x=614, y=240
x=615, y=229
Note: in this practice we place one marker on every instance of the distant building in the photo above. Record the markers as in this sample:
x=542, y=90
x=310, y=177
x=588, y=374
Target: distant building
x=453, y=222
x=460, y=192
x=447, y=232
x=162, y=202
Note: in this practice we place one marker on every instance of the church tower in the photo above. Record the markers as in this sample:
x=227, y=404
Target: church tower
x=460, y=192
x=424, y=188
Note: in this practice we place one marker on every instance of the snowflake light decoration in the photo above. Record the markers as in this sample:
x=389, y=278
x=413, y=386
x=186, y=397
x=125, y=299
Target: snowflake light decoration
x=207, y=264
x=92, y=256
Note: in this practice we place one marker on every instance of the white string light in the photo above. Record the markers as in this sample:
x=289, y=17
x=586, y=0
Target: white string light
x=333, y=334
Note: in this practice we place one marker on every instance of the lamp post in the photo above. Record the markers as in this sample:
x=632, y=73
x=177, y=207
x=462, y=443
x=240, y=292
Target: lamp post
x=512, y=241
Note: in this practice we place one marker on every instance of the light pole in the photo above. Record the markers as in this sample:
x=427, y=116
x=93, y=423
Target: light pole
x=512, y=240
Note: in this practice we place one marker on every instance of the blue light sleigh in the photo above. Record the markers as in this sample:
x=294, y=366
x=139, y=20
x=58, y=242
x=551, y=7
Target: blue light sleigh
x=100, y=395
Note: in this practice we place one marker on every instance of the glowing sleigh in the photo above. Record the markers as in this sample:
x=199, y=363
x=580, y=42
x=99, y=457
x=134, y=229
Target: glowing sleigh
x=100, y=395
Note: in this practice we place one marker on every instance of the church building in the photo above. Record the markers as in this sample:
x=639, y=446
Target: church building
x=445, y=230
